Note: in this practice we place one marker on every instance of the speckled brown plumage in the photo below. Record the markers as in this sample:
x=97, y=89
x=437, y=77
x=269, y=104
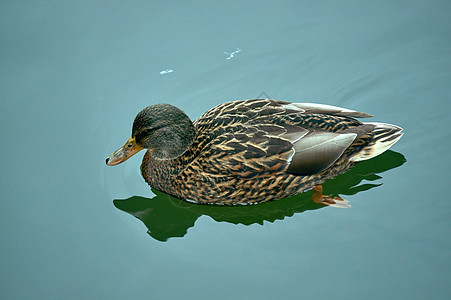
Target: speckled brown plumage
x=244, y=152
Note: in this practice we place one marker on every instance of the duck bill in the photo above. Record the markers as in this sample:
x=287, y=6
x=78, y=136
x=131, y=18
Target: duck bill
x=122, y=154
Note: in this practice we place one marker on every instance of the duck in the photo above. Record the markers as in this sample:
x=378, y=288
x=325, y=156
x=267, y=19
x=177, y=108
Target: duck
x=251, y=151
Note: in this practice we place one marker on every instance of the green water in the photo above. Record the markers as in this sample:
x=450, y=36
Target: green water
x=73, y=75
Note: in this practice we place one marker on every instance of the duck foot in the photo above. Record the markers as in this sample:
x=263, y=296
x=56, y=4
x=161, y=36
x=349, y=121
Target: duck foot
x=337, y=202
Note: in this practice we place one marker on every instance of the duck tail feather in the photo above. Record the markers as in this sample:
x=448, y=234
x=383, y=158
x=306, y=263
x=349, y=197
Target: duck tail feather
x=384, y=136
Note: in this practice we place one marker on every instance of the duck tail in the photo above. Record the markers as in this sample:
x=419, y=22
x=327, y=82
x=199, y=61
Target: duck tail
x=384, y=136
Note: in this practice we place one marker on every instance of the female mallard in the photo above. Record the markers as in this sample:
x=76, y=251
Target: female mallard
x=251, y=151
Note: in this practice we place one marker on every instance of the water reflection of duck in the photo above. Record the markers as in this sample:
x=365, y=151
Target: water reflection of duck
x=246, y=152
x=166, y=217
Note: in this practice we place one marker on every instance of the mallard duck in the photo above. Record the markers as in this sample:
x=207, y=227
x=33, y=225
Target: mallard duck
x=250, y=151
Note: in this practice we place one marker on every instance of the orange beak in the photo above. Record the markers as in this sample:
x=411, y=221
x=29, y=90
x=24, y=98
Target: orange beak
x=125, y=152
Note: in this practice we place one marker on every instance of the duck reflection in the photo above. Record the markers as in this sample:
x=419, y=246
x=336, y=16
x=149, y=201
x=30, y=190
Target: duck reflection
x=167, y=217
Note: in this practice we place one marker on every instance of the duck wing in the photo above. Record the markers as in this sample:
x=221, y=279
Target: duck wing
x=318, y=150
x=313, y=108
x=249, y=138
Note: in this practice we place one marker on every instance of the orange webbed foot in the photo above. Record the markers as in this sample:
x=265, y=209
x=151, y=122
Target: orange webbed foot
x=337, y=202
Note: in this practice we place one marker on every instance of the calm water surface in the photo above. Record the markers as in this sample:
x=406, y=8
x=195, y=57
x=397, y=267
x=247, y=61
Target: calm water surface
x=74, y=75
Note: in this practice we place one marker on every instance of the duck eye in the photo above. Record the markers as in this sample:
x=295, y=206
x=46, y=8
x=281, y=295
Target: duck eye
x=129, y=145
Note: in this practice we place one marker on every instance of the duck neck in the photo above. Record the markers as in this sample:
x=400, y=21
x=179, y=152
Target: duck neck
x=160, y=173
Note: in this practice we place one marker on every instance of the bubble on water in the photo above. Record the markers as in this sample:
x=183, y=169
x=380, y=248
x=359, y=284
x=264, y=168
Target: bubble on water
x=230, y=55
x=167, y=71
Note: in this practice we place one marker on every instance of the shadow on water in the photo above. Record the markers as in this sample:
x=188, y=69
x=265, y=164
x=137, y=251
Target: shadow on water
x=167, y=217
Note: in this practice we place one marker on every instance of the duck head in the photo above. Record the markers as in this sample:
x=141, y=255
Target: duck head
x=163, y=129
